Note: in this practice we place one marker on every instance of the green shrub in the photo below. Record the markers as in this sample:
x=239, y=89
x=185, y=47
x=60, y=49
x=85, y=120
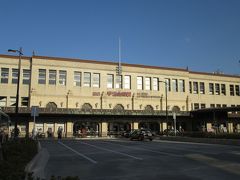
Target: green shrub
x=16, y=155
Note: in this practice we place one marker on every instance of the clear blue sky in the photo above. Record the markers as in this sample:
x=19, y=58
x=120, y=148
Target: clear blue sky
x=201, y=34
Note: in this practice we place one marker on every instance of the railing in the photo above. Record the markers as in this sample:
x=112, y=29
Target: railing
x=26, y=110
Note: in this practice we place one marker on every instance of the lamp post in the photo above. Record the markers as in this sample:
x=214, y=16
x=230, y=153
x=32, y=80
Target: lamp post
x=166, y=95
x=20, y=53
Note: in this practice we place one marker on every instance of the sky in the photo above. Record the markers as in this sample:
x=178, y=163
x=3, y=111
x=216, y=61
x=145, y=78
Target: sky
x=203, y=35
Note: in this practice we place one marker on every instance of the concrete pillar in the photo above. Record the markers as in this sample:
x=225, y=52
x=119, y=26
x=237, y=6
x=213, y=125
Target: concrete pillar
x=209, y=127
x=104, y=129
x=230, y=127
x=163, y=126
x=30, y=128
x=55, y=130
x=45, y=129
x=238, y=128
x=134, y=125
x=69, y=129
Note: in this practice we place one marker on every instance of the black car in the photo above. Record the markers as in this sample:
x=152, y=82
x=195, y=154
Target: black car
x=141, y=134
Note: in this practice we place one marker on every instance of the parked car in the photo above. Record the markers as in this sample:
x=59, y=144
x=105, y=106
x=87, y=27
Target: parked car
x=141, y=134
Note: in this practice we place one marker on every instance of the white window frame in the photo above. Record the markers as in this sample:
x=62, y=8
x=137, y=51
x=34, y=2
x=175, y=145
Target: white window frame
x=26, y=76
x=155, y=84
x=148, y=83
x=139, y=83
x=52, y=78
x=62, y=77
x=87, y=79
x=118, y=84
x=77, y=78
x=127, y=82
x=96, y=80
x=110, y=80
x=41, y=76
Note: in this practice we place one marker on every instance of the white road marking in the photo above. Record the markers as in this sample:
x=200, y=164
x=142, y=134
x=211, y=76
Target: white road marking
x=78, y=153
x=109, y=150
x=144, y=149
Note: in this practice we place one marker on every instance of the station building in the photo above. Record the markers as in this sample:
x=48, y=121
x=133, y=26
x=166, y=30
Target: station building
x=100, y=98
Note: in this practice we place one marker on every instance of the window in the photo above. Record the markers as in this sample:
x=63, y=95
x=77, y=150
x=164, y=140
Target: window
x=237, y=90
x=231, y=90
x=202, y=88
x=87, y=79
x=13, y=101
x=211, y=88
x=52, y=77
x=217, y=89
x=110, y=81
x=14, y=76
x=224, y=105
x=196, y=106
x=3, y=101
x=195, y=87
x=174, y=85
x=63, y=77
x=148, y=83
x=4, y=75
x=168, y=84
x=96, y=80
x=24, y=101
x=218, y=105
x=26, y=76
x=190, y=86
x=118, y=82
x=77, y=78
x=127, y=82
x=140, y=82
x=223, y=89
x=212, y=105
x=155, y=84
x=203, y=106
x=42, y=76
x=181, y=85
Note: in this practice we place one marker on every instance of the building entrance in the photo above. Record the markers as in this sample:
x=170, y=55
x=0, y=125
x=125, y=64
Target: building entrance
x=86, y=129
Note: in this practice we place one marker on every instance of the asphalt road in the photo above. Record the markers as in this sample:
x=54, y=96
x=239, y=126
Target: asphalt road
x=124, y=159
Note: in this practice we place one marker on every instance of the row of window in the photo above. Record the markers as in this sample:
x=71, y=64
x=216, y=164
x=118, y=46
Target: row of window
x=214, y=88
x=202, y=106
x=3, y=101
x=5, y=76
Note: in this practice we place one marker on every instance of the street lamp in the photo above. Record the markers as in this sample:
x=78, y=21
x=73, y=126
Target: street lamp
x=20, y=53
x=166, y=90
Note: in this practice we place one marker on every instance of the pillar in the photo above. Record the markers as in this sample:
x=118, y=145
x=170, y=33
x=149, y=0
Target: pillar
x=238, y=128
x=45, y=129
x=209, y=127
x=134, y=125
x=30, y=128
x=163, y=126
x=69, y=129
x=104, y=129
x=230, y=127
x=55, y=130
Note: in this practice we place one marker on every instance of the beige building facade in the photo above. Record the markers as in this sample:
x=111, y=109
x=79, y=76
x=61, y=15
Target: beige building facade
x=93, y=96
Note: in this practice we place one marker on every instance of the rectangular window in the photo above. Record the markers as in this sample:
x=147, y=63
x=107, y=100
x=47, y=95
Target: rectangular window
x=4, y=75
x=77, y=78
x=3, y=101
x=42, y=76
x=211, y=88
x=96, y=80
x=52, y=77
x=181, y=85
x=190, y=86
x=217, y=89
x=155, y=84
x=174, y=85
x=237, y=90
x=110, y=81
x=24, y=101
x=62, y=77
x=218, y=105
x=168, y=84
x=13, y=101
x=148, y=83
x=127, y=82
x=118, y=82
x=212, y=105
x=140, y=83
x=195, y=87
x=203, y=106
x=231, y=90
x=196, y=106
x=224, y=105
x=26, y=76
x=14, y=76
x=202, y=88
x=87, y=79
x=223, y=89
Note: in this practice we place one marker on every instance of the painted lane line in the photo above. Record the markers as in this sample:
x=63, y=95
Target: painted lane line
x=78, y=153
x=112, y=151
x=149, y=150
